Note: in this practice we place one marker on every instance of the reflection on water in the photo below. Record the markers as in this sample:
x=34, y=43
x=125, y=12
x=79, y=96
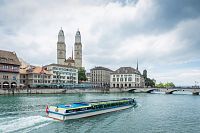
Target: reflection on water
x=154, y=113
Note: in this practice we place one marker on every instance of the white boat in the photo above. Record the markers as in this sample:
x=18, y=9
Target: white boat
x=86, y=109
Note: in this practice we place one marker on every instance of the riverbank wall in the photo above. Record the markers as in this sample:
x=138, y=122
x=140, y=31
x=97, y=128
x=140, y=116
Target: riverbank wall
x=63, y=91
x=194, y=91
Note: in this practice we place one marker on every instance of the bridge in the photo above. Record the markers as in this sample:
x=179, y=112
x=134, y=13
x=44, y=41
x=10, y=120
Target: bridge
x=194, y=91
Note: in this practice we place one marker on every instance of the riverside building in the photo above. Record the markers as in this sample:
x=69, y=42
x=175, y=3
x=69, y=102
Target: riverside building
x=9, y=70
x=100, y=76
x=88, y=76
x=125, y=77
x=62, y=74
x=52, y=75
x=35, y=76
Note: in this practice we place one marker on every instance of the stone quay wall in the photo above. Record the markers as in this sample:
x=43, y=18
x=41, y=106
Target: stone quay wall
x=59, y=91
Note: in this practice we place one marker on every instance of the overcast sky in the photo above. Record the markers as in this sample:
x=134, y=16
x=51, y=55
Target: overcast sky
x=164, y=35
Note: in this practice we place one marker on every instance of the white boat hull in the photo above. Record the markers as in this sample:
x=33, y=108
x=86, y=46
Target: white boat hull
x=86, y=114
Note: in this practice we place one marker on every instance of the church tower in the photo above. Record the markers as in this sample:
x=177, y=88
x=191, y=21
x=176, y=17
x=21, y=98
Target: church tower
x=61, y=48
x=78, y=50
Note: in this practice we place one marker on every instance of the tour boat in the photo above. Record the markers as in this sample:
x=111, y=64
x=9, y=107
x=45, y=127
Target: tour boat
x=85, y=109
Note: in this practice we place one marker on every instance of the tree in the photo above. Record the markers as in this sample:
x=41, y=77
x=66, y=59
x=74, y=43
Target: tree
x=149, y=82
x=165, y=85
x=169, y=85
x=160, y=85
x=81, y=75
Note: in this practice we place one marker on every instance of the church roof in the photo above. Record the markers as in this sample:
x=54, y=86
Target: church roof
x=7, y=57
x=61, y=32
x=78, y=33
x=69, y=60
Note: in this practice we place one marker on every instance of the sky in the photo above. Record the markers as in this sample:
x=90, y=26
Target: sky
x=164, y=35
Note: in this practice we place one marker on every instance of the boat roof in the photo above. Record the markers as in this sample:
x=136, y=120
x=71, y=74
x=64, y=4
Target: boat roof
x=89, y=104
x=74, y=105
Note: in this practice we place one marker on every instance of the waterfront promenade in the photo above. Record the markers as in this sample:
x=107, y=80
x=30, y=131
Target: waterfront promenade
x=194, y=91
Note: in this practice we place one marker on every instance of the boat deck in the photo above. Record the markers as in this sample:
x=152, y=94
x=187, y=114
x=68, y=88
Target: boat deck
x=73, y=106
x=88, y=104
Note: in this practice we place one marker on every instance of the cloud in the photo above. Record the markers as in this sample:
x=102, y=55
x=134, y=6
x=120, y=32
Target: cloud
x=164, y=36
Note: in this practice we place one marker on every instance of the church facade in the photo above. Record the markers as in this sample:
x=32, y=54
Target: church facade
x=76, y=59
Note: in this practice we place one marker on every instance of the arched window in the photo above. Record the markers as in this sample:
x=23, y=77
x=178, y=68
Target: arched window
x=5, y=84
x=117, y=85
x=114, y=85
x=13, y=85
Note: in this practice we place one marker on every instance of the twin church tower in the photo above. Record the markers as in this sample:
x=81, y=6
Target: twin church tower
x=75, y=61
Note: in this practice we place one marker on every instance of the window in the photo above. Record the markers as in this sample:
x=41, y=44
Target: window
x=113, y=79
x=5, y=77
x=130, y=79
x=125, y=79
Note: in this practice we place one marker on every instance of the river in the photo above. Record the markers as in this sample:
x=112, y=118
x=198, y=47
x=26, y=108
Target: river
x=155, y=113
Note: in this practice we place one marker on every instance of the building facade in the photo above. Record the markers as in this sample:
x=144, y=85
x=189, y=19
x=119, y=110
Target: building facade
x=100, y=76
x=75, y=60
x=9, y=70
x=52, y=75
x=62, y=74
x=88, y=76
x=125, y=77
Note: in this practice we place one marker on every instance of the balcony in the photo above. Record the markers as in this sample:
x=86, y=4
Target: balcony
x=9, y=70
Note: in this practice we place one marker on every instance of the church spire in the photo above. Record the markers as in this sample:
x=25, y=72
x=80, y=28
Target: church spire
x=78, y=37
x=61, y=36
x=72, y=54
x=137, y=64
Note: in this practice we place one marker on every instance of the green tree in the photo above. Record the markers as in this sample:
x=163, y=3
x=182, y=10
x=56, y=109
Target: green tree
x=160, y=85
x=149, y=82
x=169, y=85
x=81, y=75
x=165, y=85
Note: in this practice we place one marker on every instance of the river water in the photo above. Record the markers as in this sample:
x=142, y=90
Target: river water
x=155, y=113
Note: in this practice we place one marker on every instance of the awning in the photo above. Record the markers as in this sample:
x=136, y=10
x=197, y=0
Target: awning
x=13, y=84
x=5, y=84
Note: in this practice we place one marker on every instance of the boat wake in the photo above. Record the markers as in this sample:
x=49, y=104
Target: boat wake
x=18, y=112
x=24, y=124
